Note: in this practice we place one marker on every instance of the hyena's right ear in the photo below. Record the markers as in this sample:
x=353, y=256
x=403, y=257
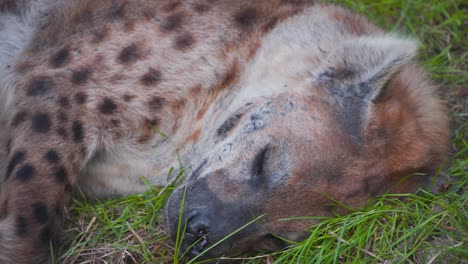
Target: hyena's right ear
x=362, y=66
x=386, y=104
x=356, y=74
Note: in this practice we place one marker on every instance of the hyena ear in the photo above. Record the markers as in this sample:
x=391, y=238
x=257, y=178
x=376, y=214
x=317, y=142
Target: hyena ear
x=356, y=74
x=360, y=67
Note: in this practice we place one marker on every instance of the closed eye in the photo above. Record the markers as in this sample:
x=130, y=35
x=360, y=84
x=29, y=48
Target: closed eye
x=258, y=165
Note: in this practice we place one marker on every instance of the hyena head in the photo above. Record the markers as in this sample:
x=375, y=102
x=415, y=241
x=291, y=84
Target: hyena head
x=364, y=123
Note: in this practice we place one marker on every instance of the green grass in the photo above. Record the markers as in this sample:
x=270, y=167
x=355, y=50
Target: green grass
x=426, y=228
x=128, y=228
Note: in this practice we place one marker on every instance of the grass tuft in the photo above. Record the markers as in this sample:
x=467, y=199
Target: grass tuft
x=122, y=230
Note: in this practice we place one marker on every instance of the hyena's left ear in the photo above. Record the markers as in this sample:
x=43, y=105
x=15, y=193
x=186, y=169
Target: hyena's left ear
x=360, y=67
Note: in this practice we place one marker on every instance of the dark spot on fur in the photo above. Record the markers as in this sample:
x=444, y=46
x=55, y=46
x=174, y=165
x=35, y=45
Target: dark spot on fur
x=154, y=122
x=151, y=123
x=61, y=175
x=52, y=156
x=271, y=24
x=80, y=97
x=178, y=105
x=107, y=106
x=19, y=118
x=117, y=10
x=13, y=6
x=63, y=101
x=40, y=86
x=45, y=235
x=60, y=58
x=62, y=132
x=81, y=76
x=230, y=76
x=40, y=212
x=172, y=22
x=156, y=103
x=62, y=117
x=41, y=123
x=129, y=25
x=171, y=6
x=246, y=18
x=148, y=133
x=128, y=97
x=129, y=54
x=184, y=41
x=8, y=146
x=77, y=130
x=149, y=13
x=68, y=188
x=228, y=125
x=21, y=226
x=115, y=122
x=86, y=18
x=152, y=77
x=201, y=8
x=3, y=211
x=25, y=173
x=17, y=158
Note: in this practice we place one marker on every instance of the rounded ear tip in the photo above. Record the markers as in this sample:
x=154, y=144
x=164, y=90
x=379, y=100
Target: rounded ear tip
x=391, y=42
x=370, y=60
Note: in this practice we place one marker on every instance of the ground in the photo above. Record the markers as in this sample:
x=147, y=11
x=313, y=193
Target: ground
x=426, y=229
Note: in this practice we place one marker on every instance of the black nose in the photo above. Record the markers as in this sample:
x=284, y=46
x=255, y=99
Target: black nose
x=196, y=234
x=198, y=225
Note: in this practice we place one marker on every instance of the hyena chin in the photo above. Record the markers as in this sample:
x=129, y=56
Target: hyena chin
x=275, y=108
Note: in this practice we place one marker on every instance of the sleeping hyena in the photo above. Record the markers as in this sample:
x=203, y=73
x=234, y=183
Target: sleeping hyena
x=273, y=106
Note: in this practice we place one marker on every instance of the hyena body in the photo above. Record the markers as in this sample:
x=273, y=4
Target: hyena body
x=272, y=106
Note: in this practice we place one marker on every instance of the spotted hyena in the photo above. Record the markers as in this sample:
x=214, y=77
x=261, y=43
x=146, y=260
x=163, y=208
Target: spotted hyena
x=274, y=107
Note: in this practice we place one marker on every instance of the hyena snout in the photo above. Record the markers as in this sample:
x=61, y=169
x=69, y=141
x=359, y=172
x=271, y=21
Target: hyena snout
x=207, y=225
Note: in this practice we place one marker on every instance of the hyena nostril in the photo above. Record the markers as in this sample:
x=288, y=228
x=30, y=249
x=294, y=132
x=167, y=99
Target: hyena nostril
x=202, y=231
x=198, y=226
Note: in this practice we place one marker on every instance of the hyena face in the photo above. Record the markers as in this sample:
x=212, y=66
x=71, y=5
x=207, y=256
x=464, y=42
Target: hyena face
x=267, y=163
x=353, y=134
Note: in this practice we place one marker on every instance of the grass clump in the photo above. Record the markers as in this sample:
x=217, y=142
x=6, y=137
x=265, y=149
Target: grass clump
x=122, y=230
x=423, y=229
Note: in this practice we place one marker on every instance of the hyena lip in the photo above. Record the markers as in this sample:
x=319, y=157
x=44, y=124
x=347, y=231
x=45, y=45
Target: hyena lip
x=195, y=245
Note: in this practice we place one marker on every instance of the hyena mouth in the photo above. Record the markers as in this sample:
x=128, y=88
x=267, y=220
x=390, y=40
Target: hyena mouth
x=197, y=243
x=196, y=234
